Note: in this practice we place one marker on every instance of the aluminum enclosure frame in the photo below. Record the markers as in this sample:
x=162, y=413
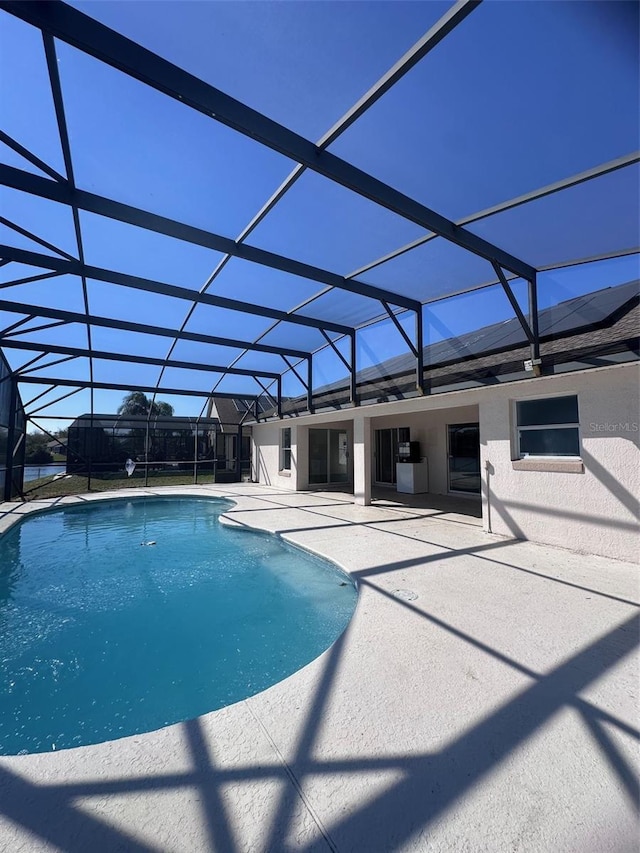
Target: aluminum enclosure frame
x=56, y=20
x=60, y=21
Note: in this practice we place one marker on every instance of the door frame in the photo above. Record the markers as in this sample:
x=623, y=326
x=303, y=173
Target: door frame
x=393, y=434
x=399, y=433
x=459, y=492
x=329, y=481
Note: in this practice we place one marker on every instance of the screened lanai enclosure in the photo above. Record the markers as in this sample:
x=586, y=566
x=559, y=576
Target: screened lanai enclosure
x=223, y=201
x=160, y=446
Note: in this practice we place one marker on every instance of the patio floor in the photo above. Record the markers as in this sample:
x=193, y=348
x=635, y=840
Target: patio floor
x=483, y=698
x=465, y=510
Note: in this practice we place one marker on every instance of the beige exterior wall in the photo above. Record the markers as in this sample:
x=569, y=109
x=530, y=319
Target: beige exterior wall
x=266, y=452
x=591, y=509
x=266, y=456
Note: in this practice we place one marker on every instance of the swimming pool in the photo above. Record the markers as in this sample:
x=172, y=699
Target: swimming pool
x=120, y=617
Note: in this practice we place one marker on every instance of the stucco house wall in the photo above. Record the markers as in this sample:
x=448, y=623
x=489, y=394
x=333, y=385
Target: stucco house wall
x=266, y=451
x=266, y=456
x=591, y=508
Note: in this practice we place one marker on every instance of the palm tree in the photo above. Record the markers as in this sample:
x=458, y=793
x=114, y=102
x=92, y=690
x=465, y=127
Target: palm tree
x=163, y=409
x=137, y=403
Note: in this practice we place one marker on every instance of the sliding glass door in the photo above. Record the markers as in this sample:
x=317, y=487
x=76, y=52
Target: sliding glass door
x=328, y=456
x=386, y=452
x=464, y=458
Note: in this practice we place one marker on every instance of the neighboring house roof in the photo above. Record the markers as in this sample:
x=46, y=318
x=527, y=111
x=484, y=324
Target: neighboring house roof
x=232, y=412
x=586, y=331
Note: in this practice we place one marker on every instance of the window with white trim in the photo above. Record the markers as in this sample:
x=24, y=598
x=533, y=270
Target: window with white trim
x=548, y=427
x=285, y=449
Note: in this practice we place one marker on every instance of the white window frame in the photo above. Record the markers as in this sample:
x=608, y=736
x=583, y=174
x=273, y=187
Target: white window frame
x=285, y=449
x=518, y=430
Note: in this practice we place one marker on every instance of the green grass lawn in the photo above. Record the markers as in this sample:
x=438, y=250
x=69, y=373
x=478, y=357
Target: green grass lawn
x=77, y=484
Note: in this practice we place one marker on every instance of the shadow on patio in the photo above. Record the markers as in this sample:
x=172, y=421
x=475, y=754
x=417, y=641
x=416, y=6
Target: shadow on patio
x=428, y=784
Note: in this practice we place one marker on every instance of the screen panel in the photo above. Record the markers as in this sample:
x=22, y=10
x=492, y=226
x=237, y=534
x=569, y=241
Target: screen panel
x=138, y=306
x=201, y=353
x=262, y=285
x=126, y=248
x=77, y=369
x=129, y=372
x=437, y=268
x=303, y=70
x=68, y=334
x=28, y=114
x=321, y=223
x=518, y=96
x=138, y=146
x=298, y=337
x=62, y=291
x=339, y=306
x=597, y=217
x=211, y=320
x=46, y=219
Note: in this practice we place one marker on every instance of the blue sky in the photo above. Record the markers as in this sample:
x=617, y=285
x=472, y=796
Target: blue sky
x=520, y=95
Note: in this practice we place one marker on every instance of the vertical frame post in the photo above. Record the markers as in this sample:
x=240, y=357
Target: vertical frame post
x=218, y=430
x=354, y=383
x=146, y=451
x=533, y=316
x=310, y=383
x=419, y=352
x=93, y=441
x=11, y=438
x=195, y=455
x=239, y=454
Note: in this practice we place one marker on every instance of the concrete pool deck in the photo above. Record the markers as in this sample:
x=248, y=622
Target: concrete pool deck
x=483, y=698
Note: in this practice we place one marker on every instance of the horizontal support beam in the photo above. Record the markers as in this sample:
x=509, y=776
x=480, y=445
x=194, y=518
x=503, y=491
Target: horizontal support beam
x=557, y=186
x=76, y=198
x=86, y=34
x=445, y=25
x=78, y=352
x=511, y=204
x=141, y=328
x=114, y=386
x=150, y=286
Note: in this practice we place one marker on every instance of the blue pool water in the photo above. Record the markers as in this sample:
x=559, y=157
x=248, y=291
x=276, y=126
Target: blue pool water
x=102, y=636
